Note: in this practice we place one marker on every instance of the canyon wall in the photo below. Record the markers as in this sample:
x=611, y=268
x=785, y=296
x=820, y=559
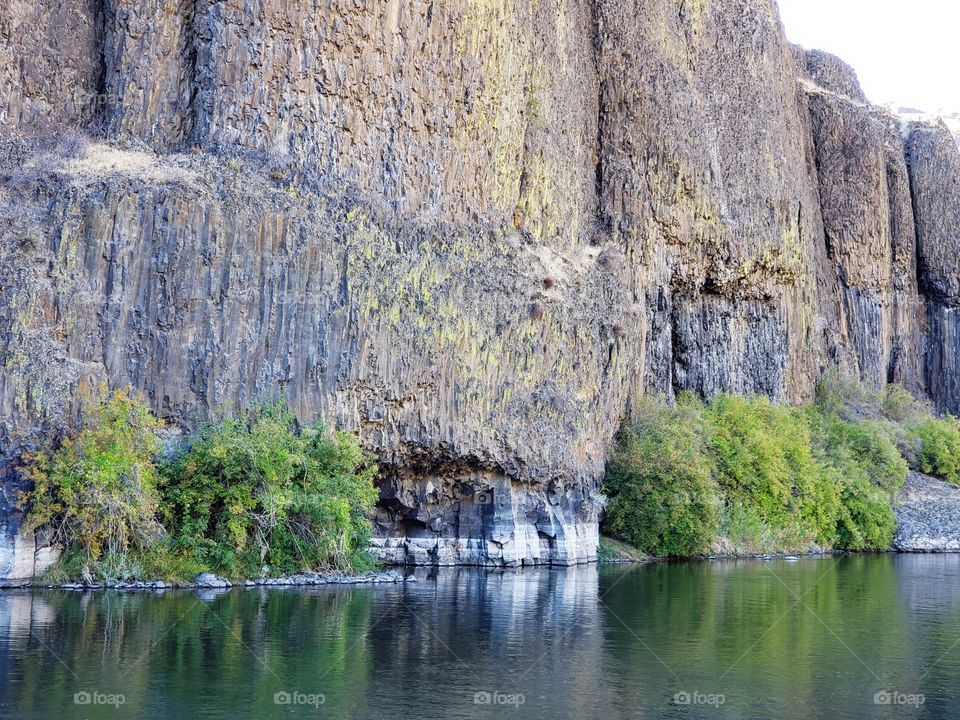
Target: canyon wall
x=472, y=232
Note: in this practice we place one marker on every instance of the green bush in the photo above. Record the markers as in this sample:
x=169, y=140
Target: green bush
x=256, y=490
x=854, y=401
x=866, y=466
x=250, y=491
x=768, y=477
x=939, y=447
x=747, y=532
x=867, y=520
x=899, y=406
x=97, y=493
x=766, y=464
x=863, y=448
x=893, y=407
x=663, y=499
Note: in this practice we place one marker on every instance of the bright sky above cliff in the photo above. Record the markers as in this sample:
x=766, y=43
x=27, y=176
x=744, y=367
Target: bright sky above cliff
x=903, y=52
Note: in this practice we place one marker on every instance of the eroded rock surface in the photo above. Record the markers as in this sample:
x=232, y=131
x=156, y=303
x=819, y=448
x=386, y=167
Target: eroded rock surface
x=708, y=186
x=473, y=233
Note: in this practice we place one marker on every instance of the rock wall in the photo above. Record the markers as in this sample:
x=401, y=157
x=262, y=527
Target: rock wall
x=708, y=186
x=472, y=232
x=934, y=162
x=868, y=223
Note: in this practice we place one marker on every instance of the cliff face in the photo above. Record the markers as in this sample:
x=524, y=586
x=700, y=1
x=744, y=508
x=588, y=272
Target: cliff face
x=708, y=186
x=472, y=232
x=868, y=224
x=935, y=176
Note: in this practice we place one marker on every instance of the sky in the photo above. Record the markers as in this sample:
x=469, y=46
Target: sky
x=904, y=51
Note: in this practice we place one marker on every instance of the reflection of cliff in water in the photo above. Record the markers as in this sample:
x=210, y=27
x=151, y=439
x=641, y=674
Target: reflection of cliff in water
x=813, y=638
x=535, y=632
x=371, y=652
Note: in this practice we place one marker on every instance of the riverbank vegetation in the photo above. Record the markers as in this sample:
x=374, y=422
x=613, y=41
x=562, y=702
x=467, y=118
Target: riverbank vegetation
x=745, y=475
x=253, y=495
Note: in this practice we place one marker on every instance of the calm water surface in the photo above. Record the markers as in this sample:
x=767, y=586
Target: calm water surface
x=817, y=638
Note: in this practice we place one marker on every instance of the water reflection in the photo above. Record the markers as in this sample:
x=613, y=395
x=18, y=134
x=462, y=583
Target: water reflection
x=816, y=638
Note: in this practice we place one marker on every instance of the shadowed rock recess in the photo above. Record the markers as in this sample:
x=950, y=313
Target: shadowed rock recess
x=473, y=232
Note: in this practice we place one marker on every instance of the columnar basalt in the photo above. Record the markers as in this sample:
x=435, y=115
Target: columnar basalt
x=474, y=233
x=934, y=161
x=868, y=223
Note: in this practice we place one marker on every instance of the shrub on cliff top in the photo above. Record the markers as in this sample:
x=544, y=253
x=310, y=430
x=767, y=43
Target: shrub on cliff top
x=97, y=493
x=257, y=489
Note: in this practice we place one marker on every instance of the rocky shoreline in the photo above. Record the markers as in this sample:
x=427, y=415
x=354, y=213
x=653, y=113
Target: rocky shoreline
x=209, y=581
x=928, y=521
x=928, y=516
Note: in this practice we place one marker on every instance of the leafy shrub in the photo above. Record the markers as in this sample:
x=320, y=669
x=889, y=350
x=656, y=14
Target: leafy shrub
x=255, y=490
x=854, y=401
x=98, y=492
x=781, y=478
x=744, y=531
x=663, y=499
x=866, y=466
x=900, y=407
x=249, y=491
x=847, y=398
x=863, y=448
x=893, y=407
x=939, y=451
x=765, y=462
x=162, y=561
x=867, y=520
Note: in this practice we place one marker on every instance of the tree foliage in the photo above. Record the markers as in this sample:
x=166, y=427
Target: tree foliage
x=98, y=491
x=257, y=490
x=664, y=499
x=778, y=478
x=246, y=492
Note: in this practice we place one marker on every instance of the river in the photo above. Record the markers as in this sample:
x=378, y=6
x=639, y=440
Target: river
x=835, y=637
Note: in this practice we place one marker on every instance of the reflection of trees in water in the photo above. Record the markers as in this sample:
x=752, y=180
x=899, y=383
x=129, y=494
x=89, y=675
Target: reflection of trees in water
x=928, y=587
x=170, y=654
x=425, y=649
x=372, y=652
x=734, y=628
